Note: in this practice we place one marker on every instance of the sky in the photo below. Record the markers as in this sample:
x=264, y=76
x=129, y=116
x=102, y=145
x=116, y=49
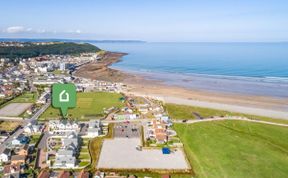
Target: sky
x=148, y=20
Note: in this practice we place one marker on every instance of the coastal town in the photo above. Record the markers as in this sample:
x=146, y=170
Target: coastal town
x=111, y=132
x=33, y=143
x=143, y=89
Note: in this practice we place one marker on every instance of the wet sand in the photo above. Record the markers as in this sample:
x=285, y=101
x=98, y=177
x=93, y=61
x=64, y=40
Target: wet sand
x=254, y=105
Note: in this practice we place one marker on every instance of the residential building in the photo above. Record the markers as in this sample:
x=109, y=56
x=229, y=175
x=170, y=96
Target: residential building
x=5, y=156
x=83, y=174
x=18, y=159
x=23, y=151
x=12, y=171
x=20, y=140
x=44, y=174
x=67, y=161
x=63, y=153
x=70, y=143
x=30, y=129
x=64, y=174
x=94, y=128
x=158, y=131
x=63, y=125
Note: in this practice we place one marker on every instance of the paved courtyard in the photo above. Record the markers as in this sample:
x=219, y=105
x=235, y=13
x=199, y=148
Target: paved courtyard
x=121, y=153
x=14, y=109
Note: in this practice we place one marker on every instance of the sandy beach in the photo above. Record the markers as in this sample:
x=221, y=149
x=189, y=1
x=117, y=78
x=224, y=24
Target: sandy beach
x=274, y=107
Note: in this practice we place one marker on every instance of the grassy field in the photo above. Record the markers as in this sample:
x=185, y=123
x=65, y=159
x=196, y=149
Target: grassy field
x=9, y=125
x=88, y=104
x=186, y=112
x=153, y=175
x=25, y=98
x=235, y=149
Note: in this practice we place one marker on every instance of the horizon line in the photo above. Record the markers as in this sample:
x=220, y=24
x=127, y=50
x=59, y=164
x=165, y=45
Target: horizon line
x=131, y=40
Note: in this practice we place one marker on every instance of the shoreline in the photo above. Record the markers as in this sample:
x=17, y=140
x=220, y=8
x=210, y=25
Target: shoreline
x=100, y=70
x=140, y=85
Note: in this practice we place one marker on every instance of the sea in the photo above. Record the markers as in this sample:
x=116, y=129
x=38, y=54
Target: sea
x=238, y=68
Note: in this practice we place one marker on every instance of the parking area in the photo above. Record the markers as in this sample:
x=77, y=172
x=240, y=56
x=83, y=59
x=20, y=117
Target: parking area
x=127, y=130
x=121, y=153
x=14, y=109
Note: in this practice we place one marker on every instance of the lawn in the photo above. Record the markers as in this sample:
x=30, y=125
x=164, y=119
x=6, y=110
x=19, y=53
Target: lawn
x=25, y=98
x=235, y=149
x=84, y=155
x=59, y=72
x=34, y=139
x=88, y=104
x=154, y=175
x=186, y=112
x=9, y=125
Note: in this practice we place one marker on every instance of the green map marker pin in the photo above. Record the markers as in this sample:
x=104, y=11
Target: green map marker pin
x=64, y=97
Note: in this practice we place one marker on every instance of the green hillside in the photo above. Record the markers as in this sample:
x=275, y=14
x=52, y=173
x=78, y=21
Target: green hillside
x=33, y=50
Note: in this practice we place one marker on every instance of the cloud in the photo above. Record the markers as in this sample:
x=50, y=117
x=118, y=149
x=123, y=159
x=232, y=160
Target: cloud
x=16, y=29
x=74, y=31
x=22, y=30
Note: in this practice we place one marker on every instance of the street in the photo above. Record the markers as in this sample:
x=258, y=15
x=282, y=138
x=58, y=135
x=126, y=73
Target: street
x=21, y=130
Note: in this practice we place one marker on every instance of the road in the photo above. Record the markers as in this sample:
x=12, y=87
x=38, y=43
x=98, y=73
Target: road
x=42, y=144
x=21, y=130
x=229, y=118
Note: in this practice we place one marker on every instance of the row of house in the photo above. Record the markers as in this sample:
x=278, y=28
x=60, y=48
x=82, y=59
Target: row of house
x=33, y=128
x=66, y=156
x=63, y=125
x=64, y=174
x=158, y=130
x=94, y=127
x=83, y=84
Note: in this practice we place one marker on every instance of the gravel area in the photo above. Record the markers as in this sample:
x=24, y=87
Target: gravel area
x=14, y=109
x=121, y=153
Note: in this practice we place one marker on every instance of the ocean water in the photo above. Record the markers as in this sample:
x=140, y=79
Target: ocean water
x=245, y=68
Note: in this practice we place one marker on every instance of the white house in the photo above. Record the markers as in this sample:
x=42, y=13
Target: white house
x=5, y=156
x=67, y=161
x=63, y=125
x=165, y=119
x=32, y=129
x=65, y=157
x=16, y=142
x=94, y=129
